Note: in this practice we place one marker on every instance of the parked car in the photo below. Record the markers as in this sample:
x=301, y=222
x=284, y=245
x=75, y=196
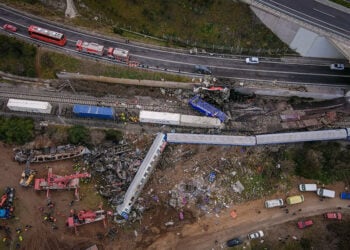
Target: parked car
x=337, y=66
x=274, y=203
x=234, y=242
x=345, y=195
x=252, y=60
x=202, y=70
x=325, y=193
x=307, y=187
x=333, y=215
x=305, y=223
x=256, y=235
x=295, y=199
x=10, y=27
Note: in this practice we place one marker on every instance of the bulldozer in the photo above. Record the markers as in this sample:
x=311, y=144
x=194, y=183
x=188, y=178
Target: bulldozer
x=28, y=174
x=27, y=177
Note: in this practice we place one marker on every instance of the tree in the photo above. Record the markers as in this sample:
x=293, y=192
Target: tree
x=78, y=135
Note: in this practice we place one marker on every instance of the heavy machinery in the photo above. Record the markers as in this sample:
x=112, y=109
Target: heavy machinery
x=28, y=174
x=57, y=182
x=86, y=217
x=6, y=203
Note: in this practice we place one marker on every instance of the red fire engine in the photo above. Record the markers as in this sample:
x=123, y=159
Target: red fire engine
x=91, y=48
x=118, y=54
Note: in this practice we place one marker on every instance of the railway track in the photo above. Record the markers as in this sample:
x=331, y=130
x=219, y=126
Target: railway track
x=134, y=104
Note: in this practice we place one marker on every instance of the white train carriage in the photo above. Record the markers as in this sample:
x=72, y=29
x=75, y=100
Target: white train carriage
x=322, y=135
x=29, y=106
x=179, y=119
x=223, y=140
x=200, y=121
x=159, y=117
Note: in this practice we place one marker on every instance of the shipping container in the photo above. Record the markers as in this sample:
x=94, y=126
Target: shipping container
x=199, y=121
x=29, y=106
x=207, y=109
x=88, y=111
x=159, y=117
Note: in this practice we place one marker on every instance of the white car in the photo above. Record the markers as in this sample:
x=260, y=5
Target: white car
x=252, y=60
x=256, y=235
x=274, y=203
x=337, y=66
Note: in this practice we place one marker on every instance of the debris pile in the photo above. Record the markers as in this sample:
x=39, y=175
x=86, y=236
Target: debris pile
x=49, y=153
x=114, y=168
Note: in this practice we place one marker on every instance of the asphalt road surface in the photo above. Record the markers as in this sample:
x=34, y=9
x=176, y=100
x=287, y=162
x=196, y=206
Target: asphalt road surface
x=181, y=61
x=314, y=13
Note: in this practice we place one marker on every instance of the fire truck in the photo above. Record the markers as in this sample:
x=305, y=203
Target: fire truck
x=118, y=54
x=91, y=48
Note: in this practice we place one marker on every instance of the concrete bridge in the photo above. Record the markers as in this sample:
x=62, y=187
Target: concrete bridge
x=313, y=28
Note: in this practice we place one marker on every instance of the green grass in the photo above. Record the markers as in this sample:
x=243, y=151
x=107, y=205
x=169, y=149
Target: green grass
x=51, y=62
x=17, y=57
x=342, y=2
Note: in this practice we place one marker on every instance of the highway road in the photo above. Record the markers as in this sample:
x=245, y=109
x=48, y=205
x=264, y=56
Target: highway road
x=158, y=58
x=314, y=13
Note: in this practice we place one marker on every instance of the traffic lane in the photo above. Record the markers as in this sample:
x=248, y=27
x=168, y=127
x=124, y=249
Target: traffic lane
x=272, y=67
x=136, y=50
x=315, y=12
x=194, y=59
x=283, y=77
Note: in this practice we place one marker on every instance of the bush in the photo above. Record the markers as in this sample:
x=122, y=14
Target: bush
x=326, y=162
x=113, y=135
x=17, y=57
x=78, y=135
x=16, y=130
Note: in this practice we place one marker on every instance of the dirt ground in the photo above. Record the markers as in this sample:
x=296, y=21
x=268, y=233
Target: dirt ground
x=27, y=209
x=191, y=233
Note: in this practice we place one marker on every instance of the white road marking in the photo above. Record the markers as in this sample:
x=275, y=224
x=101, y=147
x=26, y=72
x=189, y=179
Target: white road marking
x=345, y=32
x=324, y=13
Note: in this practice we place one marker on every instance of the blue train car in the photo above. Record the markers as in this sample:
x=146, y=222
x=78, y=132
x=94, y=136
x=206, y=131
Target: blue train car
x=88, y=111
x=207, y=109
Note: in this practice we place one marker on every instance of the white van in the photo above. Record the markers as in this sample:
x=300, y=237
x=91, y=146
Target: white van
x=325, y=193
x=274, y=203
x=307, y=187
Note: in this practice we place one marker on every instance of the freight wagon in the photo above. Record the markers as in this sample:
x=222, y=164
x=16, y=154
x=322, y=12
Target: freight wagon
x=207, y=109
x=87, y=111
x=29, y=106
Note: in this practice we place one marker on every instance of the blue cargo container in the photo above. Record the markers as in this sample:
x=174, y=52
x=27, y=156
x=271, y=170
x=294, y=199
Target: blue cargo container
x=205, y=108
x=87, y=111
